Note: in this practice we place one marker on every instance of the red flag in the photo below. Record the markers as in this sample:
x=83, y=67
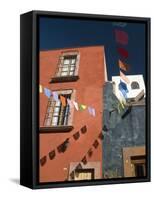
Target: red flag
x=123, y=52
x=121, y=37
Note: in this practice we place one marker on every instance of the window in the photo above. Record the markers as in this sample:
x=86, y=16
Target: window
x=138, y=164
x=85, y=171
x=57, y=115
x=134, y=159
x=135, y=85
x=67, y=69
x=67, y=66
x=84, y=174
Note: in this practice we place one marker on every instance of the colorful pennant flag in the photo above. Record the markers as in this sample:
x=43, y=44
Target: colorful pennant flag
x=121, y=37
x=120, y=108
x=82, y=107
x=122, y=75
x=63, y=100
x=40, y=89
x=91, y=111
x=70, y=103
x=122, y=104
x=123, y=53
x=123, y=89
x=123, y=65
x=76, y=105
x=55, y=96
x=47, y=92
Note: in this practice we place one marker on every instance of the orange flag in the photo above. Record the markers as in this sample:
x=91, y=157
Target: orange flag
x=122, y=75
x=123, y=65
x=63, y=100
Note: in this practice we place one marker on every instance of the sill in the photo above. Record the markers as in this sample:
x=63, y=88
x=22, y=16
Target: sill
x=62, y=79
x=55, y=129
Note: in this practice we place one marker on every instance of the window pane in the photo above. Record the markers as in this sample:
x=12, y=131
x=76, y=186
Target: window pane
x=66, y=115
x=49, y=110
x=64, y=69
x=66, y=61
x=64, y=74
x=56, y=110
x=73, y=61
x=71, y=73
x=57, y=103
x=56, y=113
x=72, y=68
x=54, y=121
x=49, y=115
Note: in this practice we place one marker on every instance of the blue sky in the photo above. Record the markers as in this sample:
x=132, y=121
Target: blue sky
x=56, y=33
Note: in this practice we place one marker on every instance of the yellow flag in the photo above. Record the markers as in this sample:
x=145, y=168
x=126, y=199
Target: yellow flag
x=40, y=88
x=82, y=107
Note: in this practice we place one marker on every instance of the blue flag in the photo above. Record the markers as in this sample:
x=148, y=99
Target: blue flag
x=123, y=89
x=47, y=92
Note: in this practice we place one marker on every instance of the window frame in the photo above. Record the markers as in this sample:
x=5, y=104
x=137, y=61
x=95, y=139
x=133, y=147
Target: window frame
x=128, y=153
x=67, y=78
x=62, y=127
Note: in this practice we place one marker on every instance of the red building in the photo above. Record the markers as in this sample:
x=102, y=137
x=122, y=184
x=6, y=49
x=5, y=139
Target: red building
x=77, y=74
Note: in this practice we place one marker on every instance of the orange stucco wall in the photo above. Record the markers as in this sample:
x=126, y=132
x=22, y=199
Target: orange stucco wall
x=89, y=89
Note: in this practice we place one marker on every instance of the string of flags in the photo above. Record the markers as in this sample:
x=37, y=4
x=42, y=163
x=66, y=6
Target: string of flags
x=122, y=38
x=64, y=101
x=61, y=148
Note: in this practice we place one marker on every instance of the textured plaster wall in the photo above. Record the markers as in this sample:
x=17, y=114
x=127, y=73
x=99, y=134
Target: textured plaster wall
x=119, y=133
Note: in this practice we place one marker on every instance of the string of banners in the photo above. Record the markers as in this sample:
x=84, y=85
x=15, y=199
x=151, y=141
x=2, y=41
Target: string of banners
x=64, y=101
x=122, y=39
x=61, y=148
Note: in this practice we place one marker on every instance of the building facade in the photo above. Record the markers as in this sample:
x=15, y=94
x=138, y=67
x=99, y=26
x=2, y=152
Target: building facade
x=66, y=134
x=124, y=153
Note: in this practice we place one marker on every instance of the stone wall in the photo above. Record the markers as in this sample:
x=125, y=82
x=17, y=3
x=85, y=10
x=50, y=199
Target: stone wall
x=124, y=128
